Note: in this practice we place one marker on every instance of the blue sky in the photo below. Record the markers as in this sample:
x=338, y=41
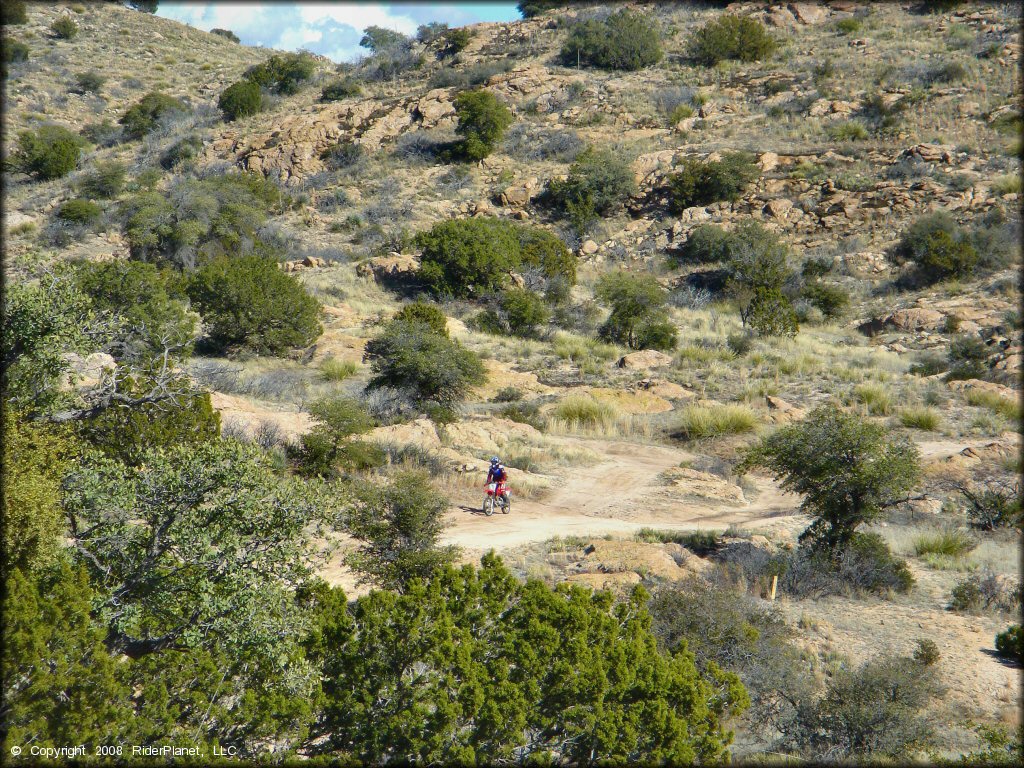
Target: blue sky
x=330, y=29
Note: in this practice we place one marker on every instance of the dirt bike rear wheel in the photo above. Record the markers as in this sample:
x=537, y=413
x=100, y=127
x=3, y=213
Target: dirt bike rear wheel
x=507, y=506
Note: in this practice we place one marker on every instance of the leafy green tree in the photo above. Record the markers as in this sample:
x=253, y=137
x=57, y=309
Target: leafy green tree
x=847, y=469
x=638, y=318
x=531, y=8
x=399, y=526
x=436, y=371
x=328, y=445
x=41, y=323
x=831, y=300
x=146, y=6
x=240, y=99
x=738, y=38
x=34, y=459
x=482, y=122
x=382, y=39
x=456, y=41
x=770, y=313
x=431, y=32
x=79, y=211
x=475, y=666
x=126, y=433
x=150, y=301
x=757, y=270
x=626, y=40
x=49, y=152
x=197, y=546
x=283, y=73
x=430, y=315
x=701, y=182
x=706, y=244
x=60, y=683
x=143, y=117
x=249, y=303
x=467, y=257
x=599, y=181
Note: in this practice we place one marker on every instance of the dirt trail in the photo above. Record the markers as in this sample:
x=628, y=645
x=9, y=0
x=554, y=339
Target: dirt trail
x=620, y=495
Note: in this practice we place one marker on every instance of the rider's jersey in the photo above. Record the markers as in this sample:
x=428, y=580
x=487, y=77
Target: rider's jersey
x=497, y=474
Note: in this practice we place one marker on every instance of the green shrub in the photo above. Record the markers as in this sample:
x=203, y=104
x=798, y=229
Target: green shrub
x=427, y=314
x=103, y=133
x=79, y=211
x=14, y=12
x=738, y=38
x=468, y=257
x=927, y=652
x=848, y=131
x=543, y=252
x=950, y=543
x=523, y=413
x=342, y=155
x=328, y=447
x=626, y=40
x=937, y=247
x=700, y=182
x=770, y=313
x=49, y=152
x=482, y=122
x=848, y=26
x=697, y=422
x=105, y=180
x=456, y=41
x=435, y=371
x=14, y=52
x=431, y=33
x=757, y=269
x=89, y=82
x=345, y=88
x=200, y=218
x=227, y=34
x=283, y=73
x=739, y=343
x=142, y=118
x=921, y=418
x=181, y=151
x=240, y=99
x=148, y=299
x=65, y=28
x=993, y=504
x=599, y=181
x=519, y=312
x=249, y=303
x=706, y=244
x=968, y=357
x=985, y=592
x=638, y=318
x=832, y=300
x=1010, y=643
x=507, y=395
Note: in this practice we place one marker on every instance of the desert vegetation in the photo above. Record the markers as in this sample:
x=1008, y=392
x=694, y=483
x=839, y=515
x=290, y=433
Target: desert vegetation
x=731, y=292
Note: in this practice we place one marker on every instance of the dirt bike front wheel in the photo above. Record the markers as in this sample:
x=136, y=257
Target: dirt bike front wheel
x=489, y=506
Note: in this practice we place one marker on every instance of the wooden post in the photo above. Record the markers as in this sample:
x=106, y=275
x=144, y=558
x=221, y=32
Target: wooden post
x=775, y=583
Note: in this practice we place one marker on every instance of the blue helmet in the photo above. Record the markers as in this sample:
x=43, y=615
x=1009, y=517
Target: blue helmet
x=495, y=461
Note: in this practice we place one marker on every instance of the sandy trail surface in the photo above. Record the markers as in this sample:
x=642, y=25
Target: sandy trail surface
x=620, y=495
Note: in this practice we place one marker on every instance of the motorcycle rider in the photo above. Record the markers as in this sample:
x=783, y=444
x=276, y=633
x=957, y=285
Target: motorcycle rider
x=497, y=473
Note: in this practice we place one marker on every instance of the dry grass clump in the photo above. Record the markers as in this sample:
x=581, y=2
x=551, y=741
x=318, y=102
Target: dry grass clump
x=994, y=402
x=584, y=411
x=920, y=418
x=587, y=354
x=950, y=543
x=874, y=397
x=700, y=421
x=338, y=370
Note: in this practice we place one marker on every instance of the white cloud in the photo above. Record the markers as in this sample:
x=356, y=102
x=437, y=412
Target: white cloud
x=330, y=29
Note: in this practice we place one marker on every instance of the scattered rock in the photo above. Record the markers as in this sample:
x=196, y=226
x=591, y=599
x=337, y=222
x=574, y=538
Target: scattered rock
x=644, y=359
x=588, y=247
x=391, y=266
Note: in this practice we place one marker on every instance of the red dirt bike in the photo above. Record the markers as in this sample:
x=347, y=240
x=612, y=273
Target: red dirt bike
x=498, y=495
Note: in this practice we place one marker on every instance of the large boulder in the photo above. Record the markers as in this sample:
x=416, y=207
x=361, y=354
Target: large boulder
x=392, y=266
x=644, y=360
